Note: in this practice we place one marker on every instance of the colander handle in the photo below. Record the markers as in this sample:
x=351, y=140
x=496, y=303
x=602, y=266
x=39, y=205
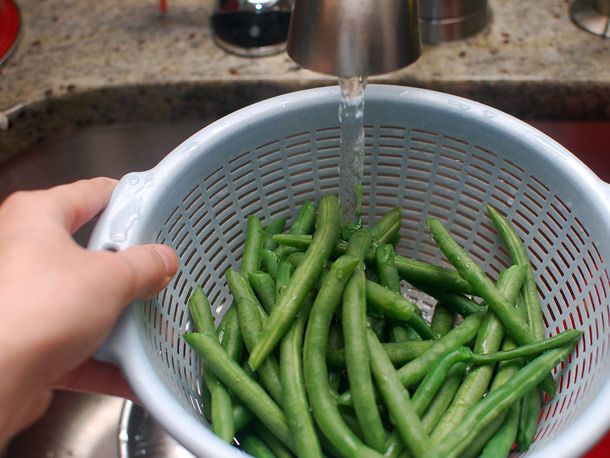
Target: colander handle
x=117, y=341
x=120, y=224
x=118, y=227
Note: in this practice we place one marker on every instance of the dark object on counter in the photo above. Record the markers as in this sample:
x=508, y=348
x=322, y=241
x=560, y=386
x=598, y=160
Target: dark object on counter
x=251, y=28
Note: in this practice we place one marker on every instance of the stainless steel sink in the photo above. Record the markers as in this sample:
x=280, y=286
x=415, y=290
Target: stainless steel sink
x=76, y=425
x=81, y=425
x=109, y=151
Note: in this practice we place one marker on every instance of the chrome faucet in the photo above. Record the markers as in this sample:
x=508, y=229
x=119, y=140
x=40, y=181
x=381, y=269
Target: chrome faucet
x=354, y=37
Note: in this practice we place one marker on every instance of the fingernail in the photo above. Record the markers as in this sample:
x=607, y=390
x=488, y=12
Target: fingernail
x=169, y=258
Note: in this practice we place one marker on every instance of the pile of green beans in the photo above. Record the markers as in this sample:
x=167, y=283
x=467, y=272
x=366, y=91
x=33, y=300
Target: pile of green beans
x=321, y=354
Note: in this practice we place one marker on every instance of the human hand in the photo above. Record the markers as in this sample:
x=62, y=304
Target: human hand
x=59, y=301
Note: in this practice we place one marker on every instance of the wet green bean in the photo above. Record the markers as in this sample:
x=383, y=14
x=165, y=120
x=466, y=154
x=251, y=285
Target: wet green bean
x=250, y=393
x=303, y=280
x=485, y=288
x=324, y=409
x=496, y=402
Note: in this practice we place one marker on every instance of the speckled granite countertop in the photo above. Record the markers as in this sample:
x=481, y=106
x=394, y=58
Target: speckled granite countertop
x=81, y=63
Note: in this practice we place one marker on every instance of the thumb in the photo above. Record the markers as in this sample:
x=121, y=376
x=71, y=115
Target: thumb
x=142, y=271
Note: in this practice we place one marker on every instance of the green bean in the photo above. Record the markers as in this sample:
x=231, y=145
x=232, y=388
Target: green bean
x=485, y=288
x=384, y=230
x=232, y=340
x=518, y=253
x=305, y=220
x=385, y=263
x=284, y=272
x=296, y=258
x=506, y=371
x=302, y=243
x=359, y=244
x=241, y=385
x=206, y=399
x=335, y=342
x=396, y=399
x=524, y=351
x=394, y=305
x=414, y=371
x=402, y=332
x=351, y=422
x=435, y=377
x=477, y=445
x=399, y=352
x=222, y=407
x=200, y=312
x=348, y=229
x=502, y=442
x=357, y=360
x=335, y=336
x=295, y=402
x=443, y=398
x=531, y=404
x=489, y=340
x=304, y=278
x=241, y=416
x=529, y=415
x=303, y=225
x=412, y=335
x=496, y=402
x=275, y=227
x=356, y=349
x=393, y=446
x=457, y=303
x=399, y=332
x=409, y=269
x=254, y=446
x=276, y=446
x=425, y=273
x=251, y=259
x=324, y=410
x=264, y=287
x=222, y=410
x=442, y=320
x=251, y=329
x=270, y=262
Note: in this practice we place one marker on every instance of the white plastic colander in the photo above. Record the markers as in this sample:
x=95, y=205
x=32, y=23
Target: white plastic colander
x=433, y=154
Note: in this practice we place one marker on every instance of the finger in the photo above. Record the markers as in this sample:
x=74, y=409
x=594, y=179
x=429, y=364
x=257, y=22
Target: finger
x=139, y=271
x=78, y=202
x=97, y=377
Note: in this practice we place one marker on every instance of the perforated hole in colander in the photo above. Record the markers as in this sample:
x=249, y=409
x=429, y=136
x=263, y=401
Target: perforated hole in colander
x=427, y=173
